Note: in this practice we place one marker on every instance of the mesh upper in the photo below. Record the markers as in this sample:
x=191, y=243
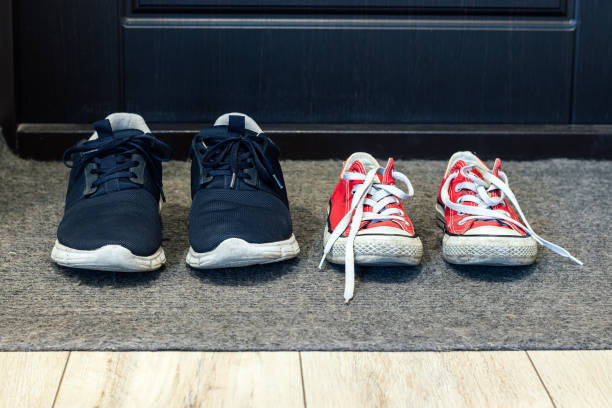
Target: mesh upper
x=255, y=216
x=129, y=218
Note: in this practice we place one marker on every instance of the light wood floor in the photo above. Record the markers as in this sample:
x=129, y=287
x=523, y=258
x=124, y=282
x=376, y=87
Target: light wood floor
x=306, y=379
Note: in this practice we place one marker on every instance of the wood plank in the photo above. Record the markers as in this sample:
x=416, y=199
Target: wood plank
x=30, y=379
x=576, y=378
x=486, y=379
x=178, y=379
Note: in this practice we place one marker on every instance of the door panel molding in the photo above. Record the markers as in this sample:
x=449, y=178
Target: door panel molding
x=343, y=23
x=493, y=7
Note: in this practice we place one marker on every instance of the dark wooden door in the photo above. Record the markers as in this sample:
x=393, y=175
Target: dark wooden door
x=315, y=61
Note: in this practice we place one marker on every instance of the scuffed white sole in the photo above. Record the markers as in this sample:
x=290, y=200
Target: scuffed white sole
x=381, y=250
x=486, y=250
x=489, y=250
x=235, y=252
x=114, y=258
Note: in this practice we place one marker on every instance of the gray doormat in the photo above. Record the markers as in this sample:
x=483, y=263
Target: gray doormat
x=295, y=306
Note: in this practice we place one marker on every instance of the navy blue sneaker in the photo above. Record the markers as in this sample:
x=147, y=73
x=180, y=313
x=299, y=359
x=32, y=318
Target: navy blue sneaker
x=111, y=221
x=239, y=212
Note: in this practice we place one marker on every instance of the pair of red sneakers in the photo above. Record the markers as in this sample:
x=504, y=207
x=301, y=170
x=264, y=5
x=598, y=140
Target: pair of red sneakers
x=482, y=220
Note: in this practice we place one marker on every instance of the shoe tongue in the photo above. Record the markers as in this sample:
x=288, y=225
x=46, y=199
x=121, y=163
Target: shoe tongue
x=358, y=167
x=469, y=158
x=362, y=163
x=238, y=120
x=367, y=162
x=119, y=121
x=387, y=176
x=103, y=130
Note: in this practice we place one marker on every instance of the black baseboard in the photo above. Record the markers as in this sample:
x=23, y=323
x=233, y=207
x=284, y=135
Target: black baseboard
x=520, y=142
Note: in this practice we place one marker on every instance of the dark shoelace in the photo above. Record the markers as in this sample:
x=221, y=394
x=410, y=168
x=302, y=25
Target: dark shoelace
x=226, y=157
x=123, y=147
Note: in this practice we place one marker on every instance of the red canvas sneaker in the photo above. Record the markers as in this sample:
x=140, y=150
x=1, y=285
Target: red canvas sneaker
x=483, y=222
x=367, y=223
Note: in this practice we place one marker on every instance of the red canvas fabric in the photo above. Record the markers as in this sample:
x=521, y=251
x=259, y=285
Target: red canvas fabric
x=452, y=218
x=341, y=200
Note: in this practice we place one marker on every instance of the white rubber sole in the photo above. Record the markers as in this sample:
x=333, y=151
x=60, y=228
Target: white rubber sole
x=486, y=250
x=489, y=250
x=114, y=258
x=236, y=252
x=381, y=250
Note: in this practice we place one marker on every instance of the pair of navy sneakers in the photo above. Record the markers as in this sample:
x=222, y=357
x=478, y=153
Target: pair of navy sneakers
x=239, y=213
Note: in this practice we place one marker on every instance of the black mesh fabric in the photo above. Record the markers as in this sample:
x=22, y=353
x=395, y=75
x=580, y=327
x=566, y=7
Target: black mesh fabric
x=129, y=218
x=255, y=216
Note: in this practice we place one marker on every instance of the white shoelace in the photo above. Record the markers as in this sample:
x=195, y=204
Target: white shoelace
x=485, y=202
x=381, y=195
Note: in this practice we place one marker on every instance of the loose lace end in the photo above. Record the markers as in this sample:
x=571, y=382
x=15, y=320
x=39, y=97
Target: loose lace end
x=575, y=260
x=321, y=263
x=349, y=291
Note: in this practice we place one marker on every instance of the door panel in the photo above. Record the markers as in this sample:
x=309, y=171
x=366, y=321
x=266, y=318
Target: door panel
x=68, y=60
x=593, y=81
x=314, y=71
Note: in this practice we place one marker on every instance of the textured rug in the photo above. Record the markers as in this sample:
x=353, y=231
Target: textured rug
x=294, y=305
